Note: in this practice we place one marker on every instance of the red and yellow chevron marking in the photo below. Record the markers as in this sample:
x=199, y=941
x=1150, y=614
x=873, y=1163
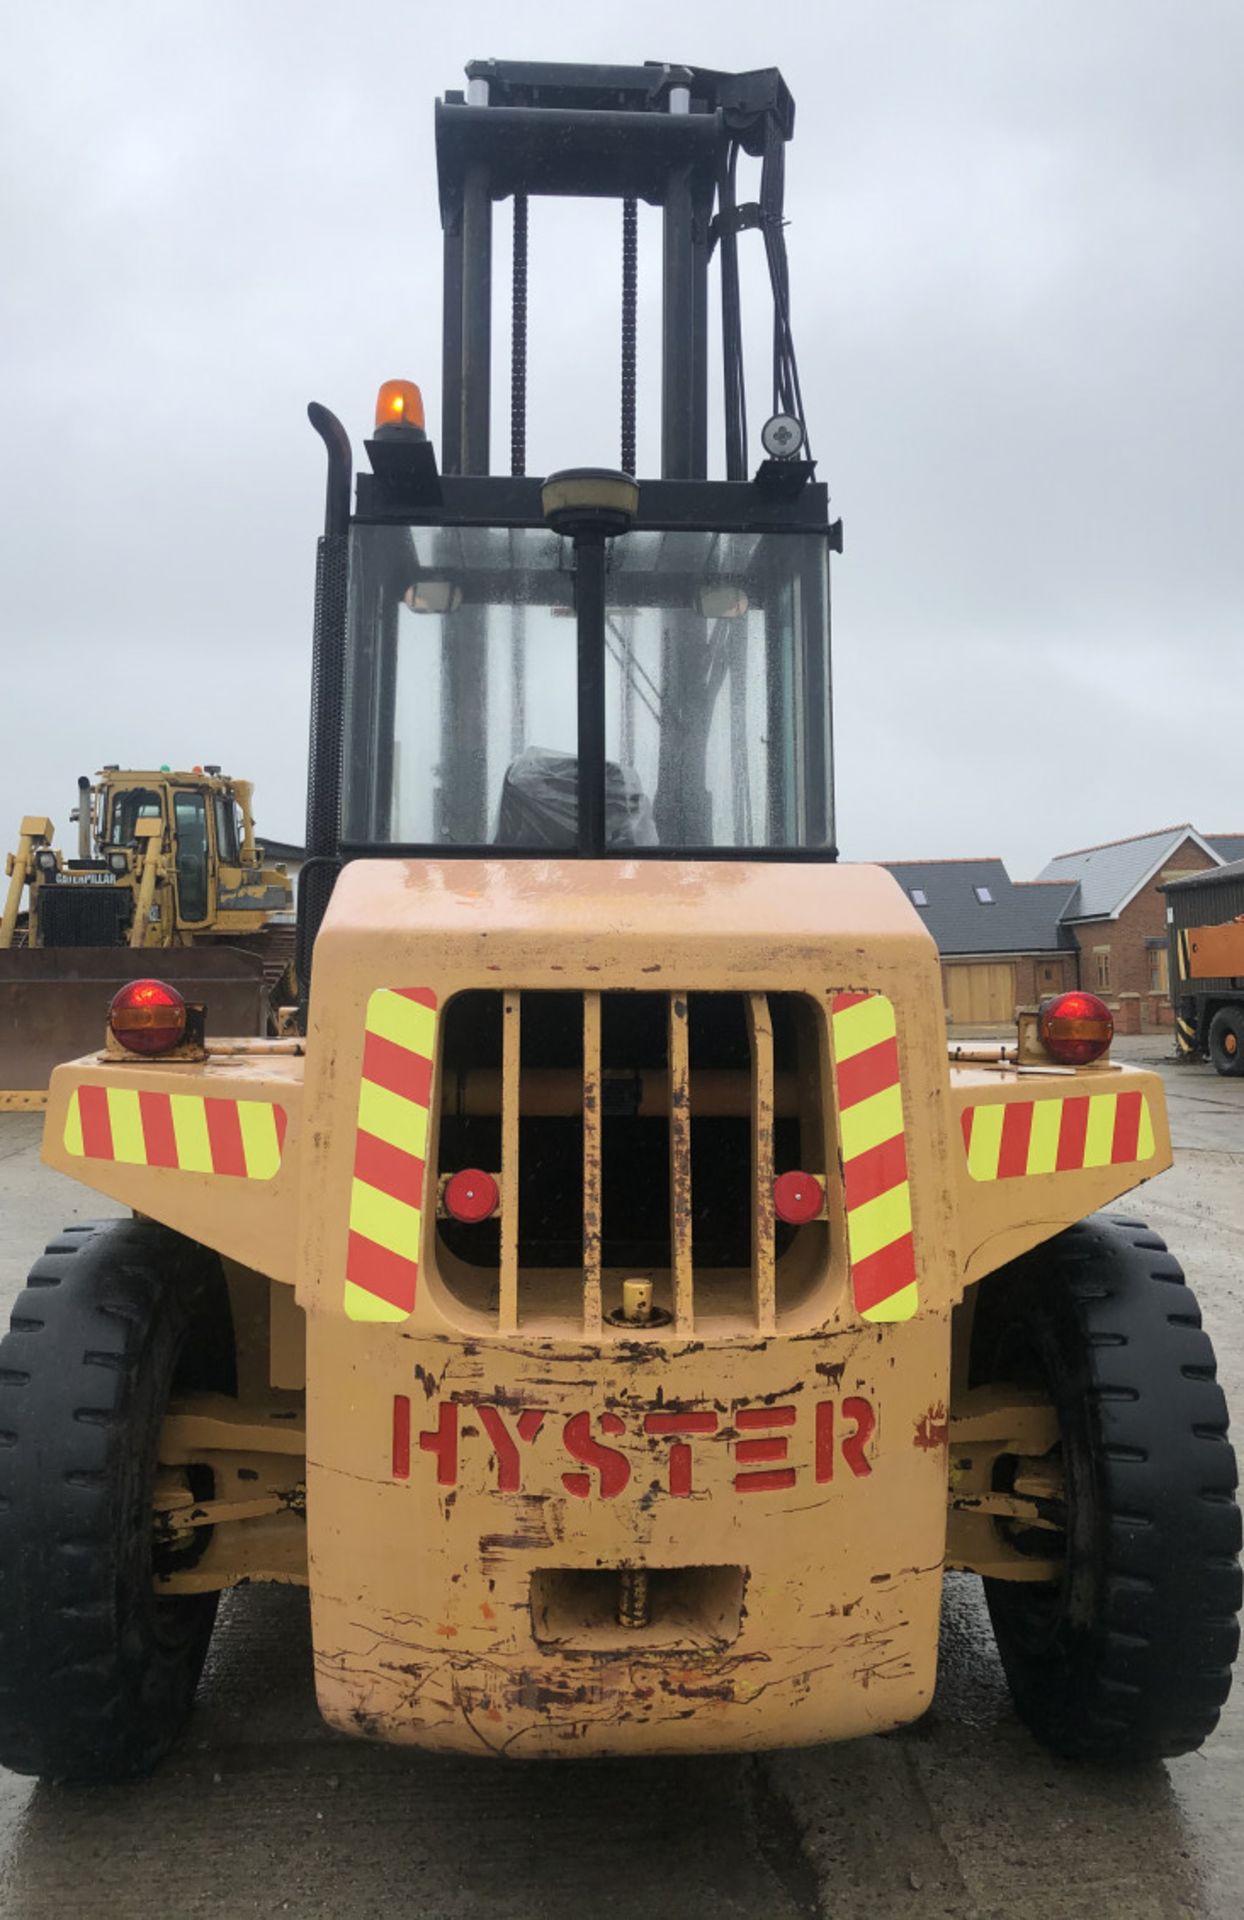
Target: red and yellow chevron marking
x=390, y=1152
x=188, y=1132
x=874, y=1156
x=1007, y=1139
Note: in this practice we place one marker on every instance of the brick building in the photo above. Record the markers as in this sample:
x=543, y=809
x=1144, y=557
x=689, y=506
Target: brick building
x=1094, y=918
x=1117, y=915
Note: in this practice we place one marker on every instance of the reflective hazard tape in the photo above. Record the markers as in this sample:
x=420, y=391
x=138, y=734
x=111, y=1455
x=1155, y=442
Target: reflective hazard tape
x=390, y=1154
x=185, y=1132
x=1006, y=1140
x=873, y=1145
x=1181, y=948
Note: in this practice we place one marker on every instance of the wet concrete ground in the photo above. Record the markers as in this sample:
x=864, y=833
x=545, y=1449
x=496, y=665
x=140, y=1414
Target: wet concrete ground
x=263, y=1811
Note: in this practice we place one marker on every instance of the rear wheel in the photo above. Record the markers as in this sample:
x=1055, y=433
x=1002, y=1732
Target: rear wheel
x=97, y=1669
x=1126, y=1657
x=1226, y=1041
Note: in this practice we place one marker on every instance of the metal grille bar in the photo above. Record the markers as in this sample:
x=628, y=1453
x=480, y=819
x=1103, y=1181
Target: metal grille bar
x=631, y=1091
x=592, y=1202
x=680, y=1164
x=764, y=1272
x=511, y=1074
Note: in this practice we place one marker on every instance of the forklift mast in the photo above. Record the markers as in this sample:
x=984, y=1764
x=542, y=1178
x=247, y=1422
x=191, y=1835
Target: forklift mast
x=669, y=136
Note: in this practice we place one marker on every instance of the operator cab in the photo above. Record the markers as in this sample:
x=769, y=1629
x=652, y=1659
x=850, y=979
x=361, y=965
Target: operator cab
x=500, y=674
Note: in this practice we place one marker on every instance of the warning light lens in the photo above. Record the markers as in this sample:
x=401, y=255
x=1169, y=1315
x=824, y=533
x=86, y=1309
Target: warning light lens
x=1075, y=1028
x=797, y=1198
x=399, y=403
x=471, y=1196
x=148, y=1017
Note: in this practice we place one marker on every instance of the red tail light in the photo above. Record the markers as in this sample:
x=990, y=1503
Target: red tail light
x=1075, y=1028
x=148, y=1017
x=471, y=1195
x=797, y=1198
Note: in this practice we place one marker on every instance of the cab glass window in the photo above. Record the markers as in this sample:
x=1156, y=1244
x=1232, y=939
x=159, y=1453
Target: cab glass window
x=190, y=825
x=462, y=689
x=136, y=803
x=226, y=829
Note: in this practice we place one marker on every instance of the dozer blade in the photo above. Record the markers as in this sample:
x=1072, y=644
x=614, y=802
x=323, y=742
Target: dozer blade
x=54, y=1002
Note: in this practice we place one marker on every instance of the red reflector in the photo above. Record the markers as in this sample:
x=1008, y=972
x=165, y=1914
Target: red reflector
x=148, y=1017
x=797, y=1198
x=1075, y=1028
x=471, y=1195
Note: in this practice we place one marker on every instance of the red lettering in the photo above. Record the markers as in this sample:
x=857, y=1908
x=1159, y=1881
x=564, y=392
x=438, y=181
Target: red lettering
x=680, y=1452
x=773, y=1479
x=760, y=1445
x=854, y=1444
x=824, y=1440
x=444, y=1444
x=613, y=1467
x=401, y=1436
x=509, y=1469
x=509, y=1474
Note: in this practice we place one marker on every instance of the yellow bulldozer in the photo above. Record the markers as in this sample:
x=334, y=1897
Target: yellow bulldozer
x=164, y=860
x=613, y=1300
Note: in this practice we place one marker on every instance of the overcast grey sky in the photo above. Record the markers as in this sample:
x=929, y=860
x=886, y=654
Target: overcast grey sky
x=1018, y=269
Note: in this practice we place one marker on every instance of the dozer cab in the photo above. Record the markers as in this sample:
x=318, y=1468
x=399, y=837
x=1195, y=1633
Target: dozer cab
x=164, y=859
x=615, y=1304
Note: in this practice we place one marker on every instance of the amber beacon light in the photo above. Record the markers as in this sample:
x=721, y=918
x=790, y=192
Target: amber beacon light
x=147, y=1017
x=399, y=403
x=1075, y=1028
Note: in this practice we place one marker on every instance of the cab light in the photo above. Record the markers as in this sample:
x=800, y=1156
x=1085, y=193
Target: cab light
x=471, y=1196
x=797, y=1198
x=434, y=596
x=399, y=403
x=1075, y=1028
x=148, y=1017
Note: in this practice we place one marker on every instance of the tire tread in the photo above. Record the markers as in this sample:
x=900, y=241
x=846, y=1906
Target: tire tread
x=88, y=1691
x=1149, y=1672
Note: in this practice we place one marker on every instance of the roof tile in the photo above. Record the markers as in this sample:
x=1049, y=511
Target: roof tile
x=1110, y=874
x=1022, y=918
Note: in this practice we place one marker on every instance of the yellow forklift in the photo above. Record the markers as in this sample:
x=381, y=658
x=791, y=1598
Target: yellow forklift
x=164, y=859
x=614, y=1302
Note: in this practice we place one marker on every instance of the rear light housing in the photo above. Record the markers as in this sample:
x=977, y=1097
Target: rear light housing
x=470, y=1196
x=147, y=1016
x=1075, y=1028
x=798, y=1198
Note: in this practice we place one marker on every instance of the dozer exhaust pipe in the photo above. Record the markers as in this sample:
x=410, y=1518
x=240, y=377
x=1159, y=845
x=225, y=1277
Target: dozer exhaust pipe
x=84, y=816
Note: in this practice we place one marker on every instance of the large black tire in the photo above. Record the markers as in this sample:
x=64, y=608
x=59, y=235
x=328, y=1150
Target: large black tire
x=1226, y=1042
x=1128, y=1657
x=98, y=1671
